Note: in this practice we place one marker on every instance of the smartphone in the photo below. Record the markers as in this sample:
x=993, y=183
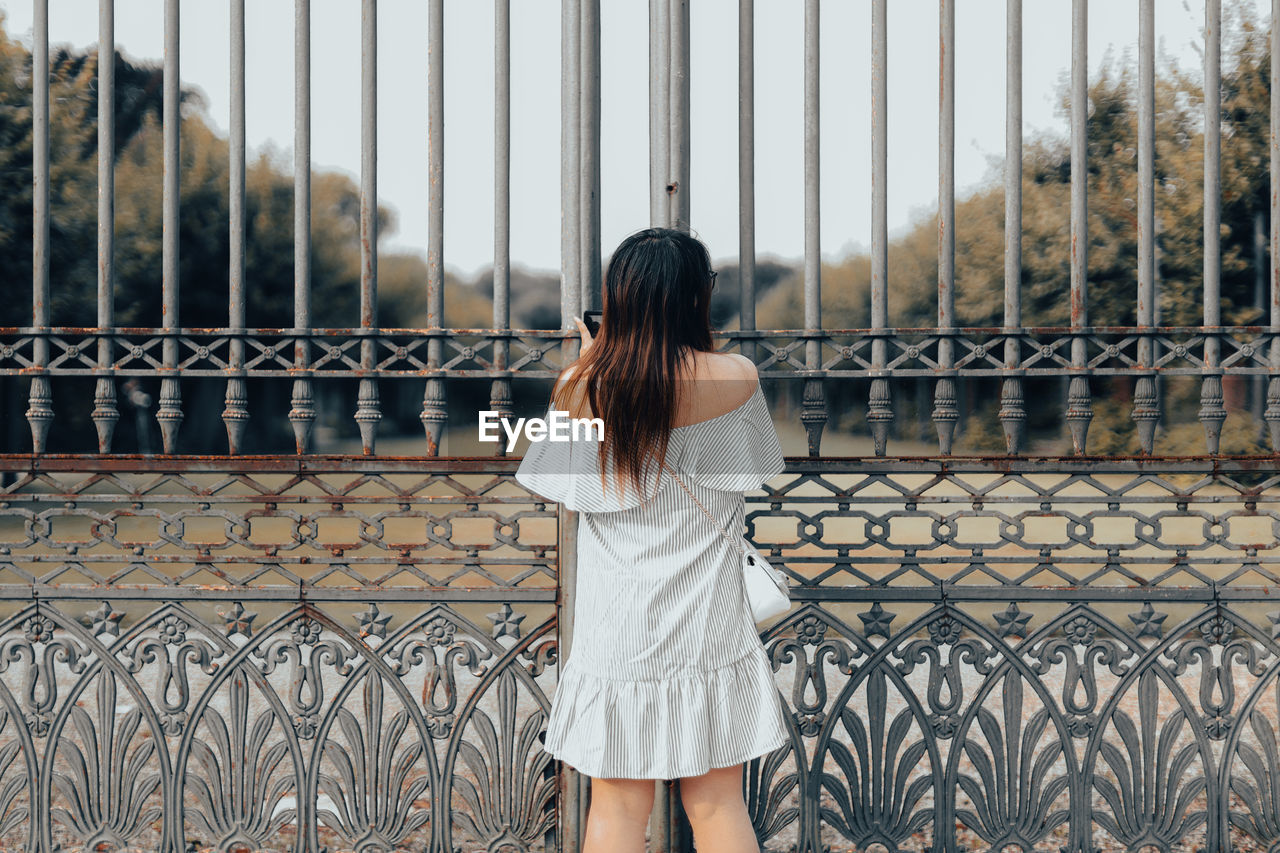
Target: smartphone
x=592, y=321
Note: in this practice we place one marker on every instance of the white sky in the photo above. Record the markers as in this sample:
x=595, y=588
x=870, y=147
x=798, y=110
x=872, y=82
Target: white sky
x=844, y=94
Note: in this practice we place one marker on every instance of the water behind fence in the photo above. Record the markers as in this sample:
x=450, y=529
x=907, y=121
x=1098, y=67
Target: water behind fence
x=312, y=651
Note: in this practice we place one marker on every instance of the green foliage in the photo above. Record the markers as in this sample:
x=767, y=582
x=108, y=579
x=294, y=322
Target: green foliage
x=1112, y=243
x=1113, y=432
x=913, y=267
x=1242, y=435
x=73, y=173
x=983, y=433
x=203, y=237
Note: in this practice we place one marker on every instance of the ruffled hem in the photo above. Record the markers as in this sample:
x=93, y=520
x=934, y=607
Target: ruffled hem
x=667, y=728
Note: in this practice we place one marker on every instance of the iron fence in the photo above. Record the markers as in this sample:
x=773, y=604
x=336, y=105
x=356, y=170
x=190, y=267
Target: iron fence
x=360, y=653
x=312, y=651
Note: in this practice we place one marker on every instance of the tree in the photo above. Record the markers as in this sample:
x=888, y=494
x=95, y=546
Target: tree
x=1112, y=223
x=204, y=245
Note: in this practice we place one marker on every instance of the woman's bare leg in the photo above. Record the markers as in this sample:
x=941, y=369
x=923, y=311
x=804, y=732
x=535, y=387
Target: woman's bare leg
x=716, y=811
x=618, y=815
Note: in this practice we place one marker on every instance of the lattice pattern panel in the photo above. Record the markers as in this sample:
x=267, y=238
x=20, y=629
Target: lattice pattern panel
x=1187, y=529
x=323, y=529
x=1041, y=351
x=1064, y=655
x=271, y=352
x=1045, y=351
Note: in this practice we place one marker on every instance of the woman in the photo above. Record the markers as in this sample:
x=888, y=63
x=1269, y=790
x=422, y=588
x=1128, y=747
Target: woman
x=666, y=677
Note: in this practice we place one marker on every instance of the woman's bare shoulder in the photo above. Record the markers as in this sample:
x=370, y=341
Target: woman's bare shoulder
x=576, y=403
x=726, y=366
x=566, y=373
x=721, y=382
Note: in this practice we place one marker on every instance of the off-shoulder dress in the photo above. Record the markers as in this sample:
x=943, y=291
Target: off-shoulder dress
x=666, y=675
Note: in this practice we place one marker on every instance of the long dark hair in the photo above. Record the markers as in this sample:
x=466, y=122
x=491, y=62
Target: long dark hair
x=656, y=306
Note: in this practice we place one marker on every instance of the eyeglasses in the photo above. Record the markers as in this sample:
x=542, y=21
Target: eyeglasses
x=714, y=273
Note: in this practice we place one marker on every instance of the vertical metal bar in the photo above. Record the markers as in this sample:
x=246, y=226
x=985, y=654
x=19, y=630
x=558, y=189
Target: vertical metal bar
x=1146, y=411
x=40, y=401
x=368, y=410
x=1212, y=412
x=500, y=390
x=434, y=413
x=40, y=176
x=236, y=412
x=813, y=413
x=302, y=163
x=1257, y=385
x=1013, y=413
x=570, y=174
x=678, y=157
x=574, y=795
x=303, y=413
x=880, y=403
x=660, y=829
x=747, y=172
x=669, y=829
x=589, y=151
x=945, y=411
x=673, y=832
x=169, y=413
x=812, y=168
x=105, y=413
x=1156, y=315
x=40, y=398
x=575, y=786
x=659, y=111
x=1079, y=403
x=1272, y=414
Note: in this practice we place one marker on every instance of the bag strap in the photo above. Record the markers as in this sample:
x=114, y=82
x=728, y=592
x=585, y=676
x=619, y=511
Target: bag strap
x=736, y=545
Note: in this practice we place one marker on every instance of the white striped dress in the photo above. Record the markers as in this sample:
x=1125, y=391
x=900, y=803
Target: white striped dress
x=666, y=676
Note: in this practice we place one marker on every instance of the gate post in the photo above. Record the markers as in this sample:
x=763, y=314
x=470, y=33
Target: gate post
x=669, y=829
x=669, y=36
x=574, y=787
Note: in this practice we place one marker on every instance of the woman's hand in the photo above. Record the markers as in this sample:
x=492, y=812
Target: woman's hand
x=586, y=336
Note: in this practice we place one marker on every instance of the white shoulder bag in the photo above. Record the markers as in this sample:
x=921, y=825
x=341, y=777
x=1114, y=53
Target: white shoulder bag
x=766, y=586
